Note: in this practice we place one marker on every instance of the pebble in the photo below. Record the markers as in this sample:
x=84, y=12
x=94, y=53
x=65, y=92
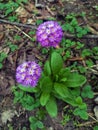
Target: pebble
x=50, y=128
x=96, y=100
x=50, y=0
x=96, y=112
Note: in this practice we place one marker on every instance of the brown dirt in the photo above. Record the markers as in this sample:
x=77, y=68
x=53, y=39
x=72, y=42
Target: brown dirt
x=30, y=50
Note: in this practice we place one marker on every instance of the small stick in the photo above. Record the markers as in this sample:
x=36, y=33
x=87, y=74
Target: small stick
x=18, y=24
x=86, y=36
x=24, y=33
x=50, y=11
x=87, y=123
x=75, y=59
x=92, y=117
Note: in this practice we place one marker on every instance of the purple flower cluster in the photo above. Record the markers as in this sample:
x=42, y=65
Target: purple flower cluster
x=28, y=74
x=49, y=34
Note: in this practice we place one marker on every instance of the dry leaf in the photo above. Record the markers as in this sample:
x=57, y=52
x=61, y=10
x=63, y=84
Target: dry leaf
x=92, y=30
x=7, y=115
x=6, y=50
x=30, y=7
x=95, y=25
x=1, y=32
x=21, y=12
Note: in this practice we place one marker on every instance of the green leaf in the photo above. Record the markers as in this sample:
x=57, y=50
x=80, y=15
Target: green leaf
x=56, y=62
x=63, y=79
x=33, y=126
x=95, y=127
x=63, y=74
x=86, y=52
x=2, y=6
x=62, y=90
x=32, y=119
x=79, y=100
x=8, y=11
x=32, y=32
x=46, y=84
x=1, y=65
x=35, y=123
x=27, y=102
x=74, y=22
x=28, y=89
x=78, y=29
x=40, y=124
x=89, y=63
x=47, y=69
x=2, y=56
x=80, y=103
x=81, y=112
x=17, y=37
x=39, y=21
x=75, y=80
x=18, y=96
x=75, y=92
x=82, y=69
x=87, y=92
x=51, y=107
x=44, y=98
x=44, y=50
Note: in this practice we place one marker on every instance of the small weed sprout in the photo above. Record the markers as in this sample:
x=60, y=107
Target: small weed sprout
x=3, y=56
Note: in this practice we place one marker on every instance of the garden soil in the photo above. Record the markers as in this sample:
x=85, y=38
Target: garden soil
x=13, y=116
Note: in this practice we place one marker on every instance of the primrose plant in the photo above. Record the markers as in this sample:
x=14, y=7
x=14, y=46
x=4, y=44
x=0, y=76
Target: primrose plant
x=55, y=82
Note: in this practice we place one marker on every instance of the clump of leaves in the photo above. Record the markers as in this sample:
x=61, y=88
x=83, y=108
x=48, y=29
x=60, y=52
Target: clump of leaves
x=35, y=123
x=81, y=112
x=12, y=46
x=87, y=92
x=73, y=27
x=65, y=119
x=39, y=21
x=26, y=100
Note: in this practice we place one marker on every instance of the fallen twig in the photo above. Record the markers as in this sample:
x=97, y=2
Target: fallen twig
x=23, y=33
x=75, y=59
x=18, y=24
x=86, y=123
x=92, y=117
x=89, y=25
x=50, y=11
x=86, y=36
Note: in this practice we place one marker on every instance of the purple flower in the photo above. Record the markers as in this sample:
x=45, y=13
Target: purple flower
x=28, y=74
x=49, y=34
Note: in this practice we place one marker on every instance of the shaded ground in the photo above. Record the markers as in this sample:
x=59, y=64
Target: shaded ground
x=28, y=50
